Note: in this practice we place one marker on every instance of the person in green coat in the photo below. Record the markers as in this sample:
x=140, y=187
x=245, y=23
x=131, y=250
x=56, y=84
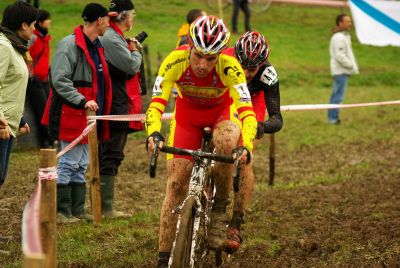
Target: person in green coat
x=16, y=30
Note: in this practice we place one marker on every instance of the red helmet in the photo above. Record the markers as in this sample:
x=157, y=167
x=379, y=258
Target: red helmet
x=208, y=34
x=251, y=49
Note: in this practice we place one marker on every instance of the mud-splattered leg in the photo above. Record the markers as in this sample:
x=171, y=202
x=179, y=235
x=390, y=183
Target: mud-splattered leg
x=225, y=138
x=179, y=170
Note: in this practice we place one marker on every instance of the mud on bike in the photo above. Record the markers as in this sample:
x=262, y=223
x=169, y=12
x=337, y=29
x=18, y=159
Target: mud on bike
x=190, y=245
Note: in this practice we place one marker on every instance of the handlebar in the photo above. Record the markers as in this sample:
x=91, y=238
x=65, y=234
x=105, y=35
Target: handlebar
x=198, y=153
x=195, y=154
x=181, y=151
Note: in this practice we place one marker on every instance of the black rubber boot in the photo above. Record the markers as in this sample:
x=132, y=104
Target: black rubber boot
x=107, y=198
x=78, y=194
x=64, y=213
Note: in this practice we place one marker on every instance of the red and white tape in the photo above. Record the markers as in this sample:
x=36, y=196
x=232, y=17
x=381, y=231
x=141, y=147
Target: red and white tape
x=299, y=107
x=168, y=116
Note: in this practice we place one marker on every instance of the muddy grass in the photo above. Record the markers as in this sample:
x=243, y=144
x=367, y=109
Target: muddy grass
x=330, y=206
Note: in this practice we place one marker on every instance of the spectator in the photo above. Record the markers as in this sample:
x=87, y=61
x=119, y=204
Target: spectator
x=80, y=81
x=244, y=6
x=38, y=84
x=16, y=29
x=123, y=59
x=36, y=3
x=342, y=63
x=183, y=31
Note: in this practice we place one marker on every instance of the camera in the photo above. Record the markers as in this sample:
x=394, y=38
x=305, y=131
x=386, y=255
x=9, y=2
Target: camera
x=141, y=37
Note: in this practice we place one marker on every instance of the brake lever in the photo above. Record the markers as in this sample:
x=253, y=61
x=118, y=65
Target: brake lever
x=153, y=159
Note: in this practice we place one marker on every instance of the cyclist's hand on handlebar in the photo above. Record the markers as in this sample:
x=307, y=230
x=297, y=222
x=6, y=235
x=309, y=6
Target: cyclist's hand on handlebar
x=242, y=155
x=153, y=139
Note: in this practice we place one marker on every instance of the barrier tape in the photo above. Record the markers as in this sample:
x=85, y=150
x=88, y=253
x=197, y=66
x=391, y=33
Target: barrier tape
x=299, y=107
x=31, y=241
x=168, y=116
x=91, y=125
x=309, y=107
x=325, y=3
x=49, y=173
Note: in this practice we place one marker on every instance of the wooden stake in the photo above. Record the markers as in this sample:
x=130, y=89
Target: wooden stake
x=48, y=211
x=34, y=261
x=271, y=159
x=94, y=173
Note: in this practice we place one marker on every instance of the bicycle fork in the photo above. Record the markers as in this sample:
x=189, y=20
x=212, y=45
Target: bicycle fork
x=196, y=184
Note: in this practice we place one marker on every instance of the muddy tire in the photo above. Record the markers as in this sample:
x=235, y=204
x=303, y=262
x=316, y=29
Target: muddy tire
x=183, y=242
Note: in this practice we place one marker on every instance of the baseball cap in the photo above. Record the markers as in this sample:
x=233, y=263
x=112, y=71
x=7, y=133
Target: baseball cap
x=121, y=5
x=93, y=11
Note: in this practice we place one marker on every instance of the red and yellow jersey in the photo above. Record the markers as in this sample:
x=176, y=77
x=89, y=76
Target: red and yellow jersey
x=224, y=85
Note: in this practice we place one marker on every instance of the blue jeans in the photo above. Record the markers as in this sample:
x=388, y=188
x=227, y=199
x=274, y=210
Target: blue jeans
x=72, y=165
x=5, y=151
x=338, y=92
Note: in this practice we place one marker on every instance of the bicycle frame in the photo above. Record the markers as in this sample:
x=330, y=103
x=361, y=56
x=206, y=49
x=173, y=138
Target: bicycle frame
x=198, y=180
x=195, y=208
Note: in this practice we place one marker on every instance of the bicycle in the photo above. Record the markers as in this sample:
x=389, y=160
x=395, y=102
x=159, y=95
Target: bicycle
x=256, y=6
x=190, y=245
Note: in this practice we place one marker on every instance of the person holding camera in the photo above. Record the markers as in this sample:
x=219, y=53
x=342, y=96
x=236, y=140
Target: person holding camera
x=123, y=59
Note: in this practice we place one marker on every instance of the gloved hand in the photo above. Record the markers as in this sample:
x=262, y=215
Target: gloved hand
x=260, y=130
x=238, y=151
x=156, y=137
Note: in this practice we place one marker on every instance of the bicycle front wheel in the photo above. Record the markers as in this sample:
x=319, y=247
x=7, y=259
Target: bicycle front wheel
x=213, y=4
x=258, y=6
x=182, y=249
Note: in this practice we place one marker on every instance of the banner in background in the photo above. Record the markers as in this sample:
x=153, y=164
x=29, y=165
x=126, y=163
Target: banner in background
x=377, y=22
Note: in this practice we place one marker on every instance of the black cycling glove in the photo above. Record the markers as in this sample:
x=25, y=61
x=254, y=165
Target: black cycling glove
x=157, y=137
x=260, y=130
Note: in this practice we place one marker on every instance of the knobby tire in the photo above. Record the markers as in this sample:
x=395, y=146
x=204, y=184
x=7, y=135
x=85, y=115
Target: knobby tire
x=183, y=240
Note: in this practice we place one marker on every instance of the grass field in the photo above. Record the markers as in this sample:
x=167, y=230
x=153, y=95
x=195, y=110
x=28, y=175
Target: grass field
x=336, y=199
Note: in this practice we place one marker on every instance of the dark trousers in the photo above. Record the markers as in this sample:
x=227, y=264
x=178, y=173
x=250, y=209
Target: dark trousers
x=37, y=94
x=5, y=151
x=244, y=6
x=36, y=3
x=112, y=151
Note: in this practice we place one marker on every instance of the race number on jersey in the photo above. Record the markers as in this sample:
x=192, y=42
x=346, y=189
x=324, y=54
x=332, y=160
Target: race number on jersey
x=269, y=76
x=243, y=92
x=157, y=91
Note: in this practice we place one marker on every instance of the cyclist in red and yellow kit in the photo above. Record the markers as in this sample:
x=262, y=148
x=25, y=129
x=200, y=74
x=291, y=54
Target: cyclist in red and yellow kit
x=212, y=92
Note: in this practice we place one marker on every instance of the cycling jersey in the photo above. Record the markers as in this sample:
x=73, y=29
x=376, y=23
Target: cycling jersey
x=224, y=85
x=264, y=91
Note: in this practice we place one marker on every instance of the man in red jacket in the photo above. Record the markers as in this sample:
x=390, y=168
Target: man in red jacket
x=38, y=84
x=80, y=81
x=123, y=59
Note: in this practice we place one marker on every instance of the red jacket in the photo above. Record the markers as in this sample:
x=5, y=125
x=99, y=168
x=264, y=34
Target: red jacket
x=40, y=52
x=67, y=120
x=131, y=86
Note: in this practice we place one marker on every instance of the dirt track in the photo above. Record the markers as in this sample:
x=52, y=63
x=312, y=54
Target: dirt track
x=351, y=221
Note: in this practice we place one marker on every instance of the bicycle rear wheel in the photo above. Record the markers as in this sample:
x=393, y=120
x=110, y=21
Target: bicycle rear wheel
x=258, y=6
x=213, y=4
x=182, y=249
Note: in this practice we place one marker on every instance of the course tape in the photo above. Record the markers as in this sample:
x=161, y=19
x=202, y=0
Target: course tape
x=49, y=173
x=168, y=116
x=91, y=125
x=309, y=107
x=31, y=241
x=299, y=107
